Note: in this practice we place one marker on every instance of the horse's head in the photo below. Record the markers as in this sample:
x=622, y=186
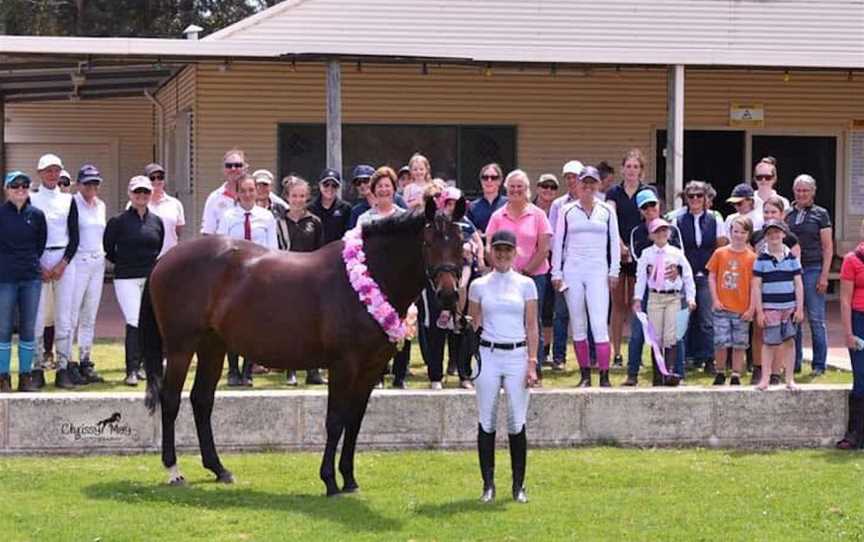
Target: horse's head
x=442, y=252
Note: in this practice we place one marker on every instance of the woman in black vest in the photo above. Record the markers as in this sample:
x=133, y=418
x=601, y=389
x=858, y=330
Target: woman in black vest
x=702, y=232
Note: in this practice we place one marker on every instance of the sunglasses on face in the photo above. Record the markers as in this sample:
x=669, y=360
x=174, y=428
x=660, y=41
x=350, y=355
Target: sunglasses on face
x=695, y=196
x=64, y=182
x=764, y=177
x=234, y=165
x=18, y=185
x=489, y=177
x=140, y=191
x=547, y=186
x=649, y=205
x=330, y=184
x=360, y=180
x=160, y=176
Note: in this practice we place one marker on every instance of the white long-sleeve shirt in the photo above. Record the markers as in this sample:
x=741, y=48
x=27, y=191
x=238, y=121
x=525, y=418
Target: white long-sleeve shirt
x=586, y=241
x=671, y=256
x=262, y=222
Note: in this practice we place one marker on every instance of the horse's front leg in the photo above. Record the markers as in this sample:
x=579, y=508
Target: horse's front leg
x=335, y=424
x=356, y=409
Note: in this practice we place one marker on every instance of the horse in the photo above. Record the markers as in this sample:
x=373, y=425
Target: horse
x=215, y=295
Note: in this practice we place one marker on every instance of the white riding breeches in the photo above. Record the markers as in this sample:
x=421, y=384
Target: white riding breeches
x=507, y=368
x=129, y=292
x=587, y=297
x=61, y=293
x=89, y=277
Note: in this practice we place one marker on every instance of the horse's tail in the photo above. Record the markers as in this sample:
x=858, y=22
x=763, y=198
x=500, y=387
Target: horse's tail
x=151, y=349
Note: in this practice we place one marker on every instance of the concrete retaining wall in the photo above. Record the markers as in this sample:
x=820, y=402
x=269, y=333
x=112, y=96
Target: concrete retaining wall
x=85, y=423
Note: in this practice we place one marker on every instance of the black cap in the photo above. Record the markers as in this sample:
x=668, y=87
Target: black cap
x=503, y=238
x=741, y=192
x=362, y=171
x=330, y=174
x=774, y=223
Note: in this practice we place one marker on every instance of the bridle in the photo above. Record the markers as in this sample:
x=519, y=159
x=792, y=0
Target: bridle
x=433, y=271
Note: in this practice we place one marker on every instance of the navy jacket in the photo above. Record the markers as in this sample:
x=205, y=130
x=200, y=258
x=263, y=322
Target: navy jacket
x=698, y=256
x=22, y=240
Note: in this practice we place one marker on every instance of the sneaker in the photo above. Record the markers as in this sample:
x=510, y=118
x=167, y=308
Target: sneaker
x=774, y=380
x=141, y=374
x=436, y=386
x=817, y=373
x=719, y=379
x=558, y=366
x=618, y=361
x=735, y=380
x=234, y=380
x=131, y=379
x=632, y=380
x=292, y=378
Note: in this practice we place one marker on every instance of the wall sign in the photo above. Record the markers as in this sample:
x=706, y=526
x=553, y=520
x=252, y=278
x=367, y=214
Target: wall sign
x=750, y=115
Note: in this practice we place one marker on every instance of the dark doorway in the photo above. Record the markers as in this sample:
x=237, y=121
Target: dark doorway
x=715, y=156
x=814, y=155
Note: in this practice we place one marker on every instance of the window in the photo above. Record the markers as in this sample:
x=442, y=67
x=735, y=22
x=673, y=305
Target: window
x=455, y=152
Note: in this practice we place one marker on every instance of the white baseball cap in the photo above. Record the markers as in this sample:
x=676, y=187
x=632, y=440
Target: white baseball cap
x=48, y=160
x=573, y=166
x=263, y=176
x=140, y=181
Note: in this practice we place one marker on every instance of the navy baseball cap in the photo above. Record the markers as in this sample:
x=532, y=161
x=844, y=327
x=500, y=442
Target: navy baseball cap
x=741, y=192
x=89, y=174
x=330, y=174
x=589, y=172
x=503, y=238
x=362, y=171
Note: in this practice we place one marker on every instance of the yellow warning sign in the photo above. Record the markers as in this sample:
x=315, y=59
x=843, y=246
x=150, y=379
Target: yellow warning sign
x=750, y=115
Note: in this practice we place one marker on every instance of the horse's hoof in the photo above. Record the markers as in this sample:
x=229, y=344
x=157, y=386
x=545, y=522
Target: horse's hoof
x=177, y=481
x=350, y=488
x=225, y=477
x=333, y=490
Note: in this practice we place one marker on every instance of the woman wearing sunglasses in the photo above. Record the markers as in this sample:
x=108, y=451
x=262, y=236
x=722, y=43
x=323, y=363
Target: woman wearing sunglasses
x=765, y=176
x=24, y=236
x=481, y=209
x=225, y=197
x=132, y=242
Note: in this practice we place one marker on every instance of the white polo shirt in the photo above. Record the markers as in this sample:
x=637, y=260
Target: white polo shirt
x=170, y=210
x=218, y=202
x=91, y=225
x=502, y=298
x=56, y=205
x=263, y=225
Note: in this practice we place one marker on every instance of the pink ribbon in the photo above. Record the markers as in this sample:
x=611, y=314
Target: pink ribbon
x=651, y=339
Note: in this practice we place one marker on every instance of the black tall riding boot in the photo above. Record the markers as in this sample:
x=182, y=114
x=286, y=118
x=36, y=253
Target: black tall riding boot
x=133, y=351
x=854, y=437
x=656, y=375
x=518, y=460
x=486, y=452
x=673, y=378
x=585, y=381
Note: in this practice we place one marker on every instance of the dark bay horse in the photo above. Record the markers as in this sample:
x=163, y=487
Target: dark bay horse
x=293, y=310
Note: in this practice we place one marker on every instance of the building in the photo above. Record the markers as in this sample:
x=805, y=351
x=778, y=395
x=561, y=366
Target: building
x=523, y=82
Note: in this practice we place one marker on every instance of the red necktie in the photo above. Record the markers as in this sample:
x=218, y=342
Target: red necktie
x=247, y=227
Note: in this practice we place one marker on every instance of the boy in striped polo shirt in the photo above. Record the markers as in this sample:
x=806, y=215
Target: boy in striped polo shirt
x=778, y=294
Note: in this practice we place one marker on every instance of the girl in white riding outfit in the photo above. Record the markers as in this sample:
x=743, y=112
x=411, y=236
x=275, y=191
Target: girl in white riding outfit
x=503, y=308
x=586, y=258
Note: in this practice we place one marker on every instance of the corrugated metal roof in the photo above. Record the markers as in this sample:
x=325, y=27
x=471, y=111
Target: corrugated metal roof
x=702, y=32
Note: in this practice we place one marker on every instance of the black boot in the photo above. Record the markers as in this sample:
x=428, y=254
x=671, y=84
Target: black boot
x=854, y=437
x=234, y=378
x=632, y=380
x=604, y=379
x=486, y=452
x=756, y=376
x=586, y=378
x=88, y=371
x=75, y=374
x=673, y=378
x=518, y=460
x=25, y=383
x=38, y=376
x=133, y=353
x=63, y=380
x=656, y=375
x=314, y=378
x=5, y=383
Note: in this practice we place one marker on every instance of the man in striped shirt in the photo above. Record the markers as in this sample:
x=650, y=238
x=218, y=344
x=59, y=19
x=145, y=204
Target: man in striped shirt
x=779, y=296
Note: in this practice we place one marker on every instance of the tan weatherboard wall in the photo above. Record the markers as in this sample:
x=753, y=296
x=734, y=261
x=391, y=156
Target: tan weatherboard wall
x=124, y=125
x=590, y=116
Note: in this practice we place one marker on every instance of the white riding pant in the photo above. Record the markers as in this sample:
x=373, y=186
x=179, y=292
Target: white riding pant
x=507, y=368
x=60, y=292
x=587, y=296
x=129, y=292
x=89, y=277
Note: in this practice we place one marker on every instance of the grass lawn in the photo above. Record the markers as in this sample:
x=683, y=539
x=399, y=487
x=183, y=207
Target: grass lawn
x=108, y=356
x=575, y=494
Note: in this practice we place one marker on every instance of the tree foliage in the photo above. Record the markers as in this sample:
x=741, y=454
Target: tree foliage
x=122, y=18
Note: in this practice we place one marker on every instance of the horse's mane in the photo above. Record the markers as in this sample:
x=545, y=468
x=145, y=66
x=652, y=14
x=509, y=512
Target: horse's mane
x=410, y=222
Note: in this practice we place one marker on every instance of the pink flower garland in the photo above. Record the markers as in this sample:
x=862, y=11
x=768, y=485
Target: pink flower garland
x=367, y=289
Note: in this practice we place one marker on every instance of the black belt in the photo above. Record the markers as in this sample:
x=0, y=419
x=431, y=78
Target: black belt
x=502, y=346
x=55, y=248
x=653, y=291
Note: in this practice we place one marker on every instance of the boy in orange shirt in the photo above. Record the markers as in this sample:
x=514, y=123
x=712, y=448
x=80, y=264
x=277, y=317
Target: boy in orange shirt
x=729, y=272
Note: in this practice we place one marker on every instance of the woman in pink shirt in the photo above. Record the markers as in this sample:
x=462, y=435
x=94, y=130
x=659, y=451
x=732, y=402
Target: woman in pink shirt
x=852, y=316
x=533, y=235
